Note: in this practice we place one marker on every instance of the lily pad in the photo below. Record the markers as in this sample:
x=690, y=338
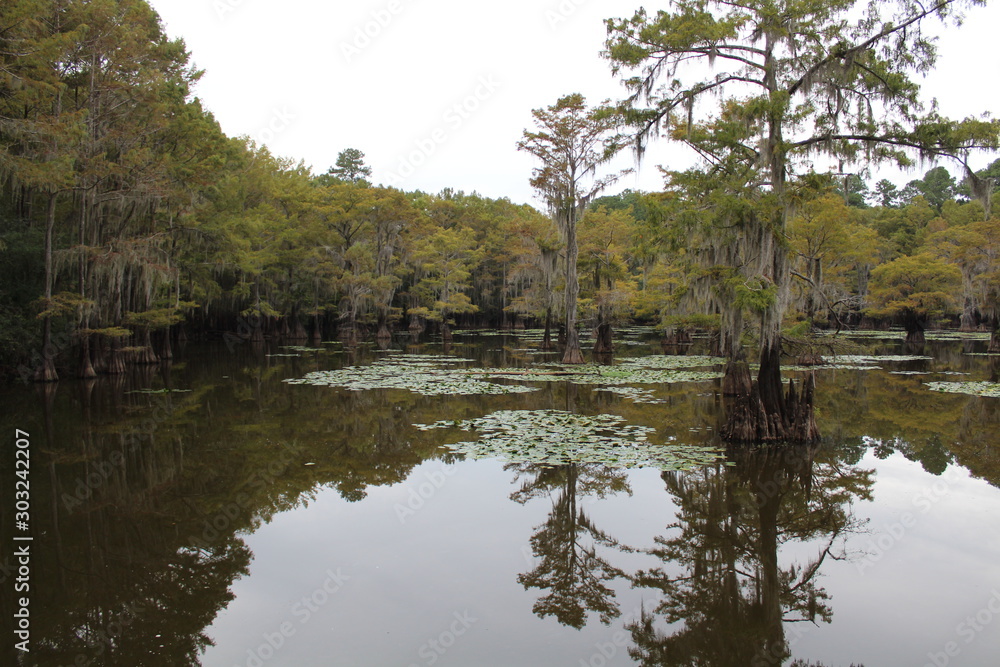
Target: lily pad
x=159, y=391
x=989, y=389
x=636, y=394
x=421, y=374
x=552, y=437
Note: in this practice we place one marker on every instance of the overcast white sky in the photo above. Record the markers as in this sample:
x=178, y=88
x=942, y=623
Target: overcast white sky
x=441, y=93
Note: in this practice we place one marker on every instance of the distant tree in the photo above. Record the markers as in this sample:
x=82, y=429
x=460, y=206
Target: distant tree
x=912, y=290
x=937, y=186
x=447, y=259
x=854, y=190
x=572, y=141
x=350, y=166
x=886, y=194
x=604, y=237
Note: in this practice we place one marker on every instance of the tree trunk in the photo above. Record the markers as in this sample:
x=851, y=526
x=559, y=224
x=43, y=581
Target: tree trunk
x=86, y=370
x=547, y=336
x=317, y=330
x=572, y=355
x=769, y=381
x=764, y=414
x=166, y=350
x=736, y=380
x=914, y=332
x=603, y=342
x=383, y=335
x=46, y=372
x=146, y=356
x=114, y=365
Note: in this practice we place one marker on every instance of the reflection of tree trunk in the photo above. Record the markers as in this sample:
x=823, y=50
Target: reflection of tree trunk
x=995, y=336
x=770, y=584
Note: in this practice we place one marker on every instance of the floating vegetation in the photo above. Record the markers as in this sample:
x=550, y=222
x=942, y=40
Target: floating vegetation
x=901, y=334
x=421, y=374
x=594, y=374
x=282, y=354
x=159, y=391
x=957, y=335
x=990, y=389
x=825, y=367
x=302, y=348
x=873, y=359
x=895, y=333
x=551, y=437
x=636, y=394
x=673, y=361
x=857, y=362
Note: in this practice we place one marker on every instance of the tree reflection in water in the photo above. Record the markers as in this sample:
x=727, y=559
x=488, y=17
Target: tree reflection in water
x=566, y=544
x=724, y=596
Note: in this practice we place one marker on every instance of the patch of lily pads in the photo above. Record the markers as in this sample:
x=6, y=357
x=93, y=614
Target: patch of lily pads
x=858, y=362
x=421, y=374
x=159, y=391
x=672, y=361
x=552, y=437
x=636, y=394
x=595, y=374
x=988, y=389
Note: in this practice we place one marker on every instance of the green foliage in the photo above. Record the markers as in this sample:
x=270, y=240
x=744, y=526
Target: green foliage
x=917, y=287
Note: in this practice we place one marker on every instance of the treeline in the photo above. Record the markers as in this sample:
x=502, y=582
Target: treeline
x=925, y=255
x=128, y=218
x=125, y=211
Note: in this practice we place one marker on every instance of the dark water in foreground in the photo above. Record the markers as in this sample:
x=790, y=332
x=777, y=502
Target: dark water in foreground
x=241, y=520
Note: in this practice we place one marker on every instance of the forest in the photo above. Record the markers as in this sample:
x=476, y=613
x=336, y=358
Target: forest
x=128, y=219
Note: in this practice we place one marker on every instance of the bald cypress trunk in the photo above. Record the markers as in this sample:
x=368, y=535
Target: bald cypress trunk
x=46, y=371
x=572, y=354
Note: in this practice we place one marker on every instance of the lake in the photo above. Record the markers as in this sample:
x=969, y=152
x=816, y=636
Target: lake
x=438, y=504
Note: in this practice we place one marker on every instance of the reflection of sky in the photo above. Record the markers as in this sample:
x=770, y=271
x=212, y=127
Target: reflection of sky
x=909, y=602
x=463, y=550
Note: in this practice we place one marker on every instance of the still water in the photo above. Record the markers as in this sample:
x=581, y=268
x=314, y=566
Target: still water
x=211, y=513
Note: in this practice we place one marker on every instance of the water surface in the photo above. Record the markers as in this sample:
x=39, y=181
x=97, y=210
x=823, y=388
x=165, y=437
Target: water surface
x=208, y=512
